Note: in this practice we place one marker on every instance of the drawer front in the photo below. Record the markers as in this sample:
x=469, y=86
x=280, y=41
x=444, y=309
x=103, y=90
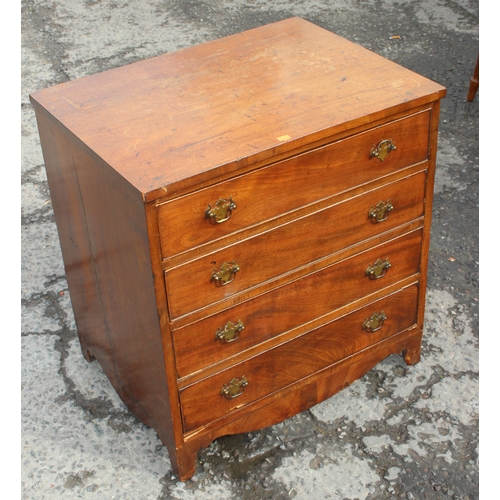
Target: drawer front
x=308, y=178
x=289, y=247
x=197, y=345
x=283, y=365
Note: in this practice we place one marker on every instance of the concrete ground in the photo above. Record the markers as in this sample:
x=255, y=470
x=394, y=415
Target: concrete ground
x=400, y=431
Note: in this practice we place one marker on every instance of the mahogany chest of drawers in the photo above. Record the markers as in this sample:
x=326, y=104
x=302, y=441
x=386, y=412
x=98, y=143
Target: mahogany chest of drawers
x=244, y=224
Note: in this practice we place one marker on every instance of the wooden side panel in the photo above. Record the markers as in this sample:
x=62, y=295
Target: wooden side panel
x=429, y=197
x=74, y=239
x=102, y=225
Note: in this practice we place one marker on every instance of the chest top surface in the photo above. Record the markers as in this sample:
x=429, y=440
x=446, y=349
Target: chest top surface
x=228, y=103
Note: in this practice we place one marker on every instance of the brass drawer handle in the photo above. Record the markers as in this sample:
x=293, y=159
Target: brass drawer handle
x=225, y=274
x=382, y=149
x=234, y=388
x=378, y=269
x=374, y=322
x=230, y=332
x=221, y=211
x=381, y=211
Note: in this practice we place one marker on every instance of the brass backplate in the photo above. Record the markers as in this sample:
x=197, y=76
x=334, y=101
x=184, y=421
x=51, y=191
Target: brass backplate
x=378, y=269
x=382, y=149
x=221, y=210
x=234, y=388
x=230, y=332
x=374, y=322
x=380, y=212
x=226, y=273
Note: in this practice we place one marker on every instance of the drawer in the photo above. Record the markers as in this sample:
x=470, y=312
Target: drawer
x=308, y=178
x=289, y=247
x=296, y=303
x=283, y=365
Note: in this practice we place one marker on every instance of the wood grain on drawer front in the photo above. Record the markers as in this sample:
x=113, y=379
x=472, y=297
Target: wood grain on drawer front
x=287, y=185
x=293, y=245
x=290, y=362
x=294, y=304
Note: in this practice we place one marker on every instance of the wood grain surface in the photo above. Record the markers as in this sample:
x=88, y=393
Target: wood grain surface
x=293, y=245
x=297, y=302
x=102, y=229
x=167, y=122
x=297, y=359
x=308, y=178
x=282, y=119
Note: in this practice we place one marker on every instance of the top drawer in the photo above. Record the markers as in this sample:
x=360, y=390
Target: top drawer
x=290, y=184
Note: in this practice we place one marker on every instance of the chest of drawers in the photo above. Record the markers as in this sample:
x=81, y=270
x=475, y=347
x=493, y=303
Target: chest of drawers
x=244, y=224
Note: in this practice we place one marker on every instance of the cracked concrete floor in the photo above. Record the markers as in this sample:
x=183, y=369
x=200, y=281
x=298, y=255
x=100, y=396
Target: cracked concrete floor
x=400, y=431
